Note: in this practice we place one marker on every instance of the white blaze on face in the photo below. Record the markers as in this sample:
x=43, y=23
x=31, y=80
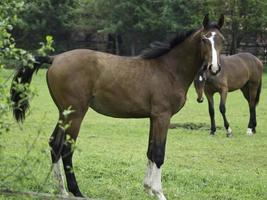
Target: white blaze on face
x=200, y=78
x=214, y=58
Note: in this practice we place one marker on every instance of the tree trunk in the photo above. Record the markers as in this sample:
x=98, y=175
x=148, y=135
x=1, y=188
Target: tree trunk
x=233, y=48
x=133, y=48
x=235, y=27
x=117, y=44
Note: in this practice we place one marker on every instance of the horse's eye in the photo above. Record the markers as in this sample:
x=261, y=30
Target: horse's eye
x=203, y=40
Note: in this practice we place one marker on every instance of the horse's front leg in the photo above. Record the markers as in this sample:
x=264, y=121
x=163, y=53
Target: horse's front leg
x=159, y=125
x=148, y=174
x=223, y=95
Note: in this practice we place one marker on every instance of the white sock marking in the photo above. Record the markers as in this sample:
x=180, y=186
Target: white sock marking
x=214, y=59
x=229, y=132
x=59, y=179
x=152, y=180
x=148, y=177
x=156, y=182
x=249, y=132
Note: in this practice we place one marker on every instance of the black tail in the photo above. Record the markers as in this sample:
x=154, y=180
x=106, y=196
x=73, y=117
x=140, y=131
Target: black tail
x=258, y=93
x=20, y=82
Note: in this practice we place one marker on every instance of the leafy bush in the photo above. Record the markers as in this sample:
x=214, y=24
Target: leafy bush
x=11, y=56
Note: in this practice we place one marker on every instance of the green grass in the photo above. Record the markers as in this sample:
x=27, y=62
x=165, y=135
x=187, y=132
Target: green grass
x=110, y=159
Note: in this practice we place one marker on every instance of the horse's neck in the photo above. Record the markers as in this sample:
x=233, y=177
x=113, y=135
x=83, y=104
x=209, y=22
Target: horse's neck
x=184, y=60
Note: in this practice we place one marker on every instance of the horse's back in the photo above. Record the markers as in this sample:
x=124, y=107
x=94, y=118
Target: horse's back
x=238, y=69
x=253, y=64
x=244, y=60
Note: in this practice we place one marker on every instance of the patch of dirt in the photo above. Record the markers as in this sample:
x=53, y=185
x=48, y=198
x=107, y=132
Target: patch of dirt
x=192, y=126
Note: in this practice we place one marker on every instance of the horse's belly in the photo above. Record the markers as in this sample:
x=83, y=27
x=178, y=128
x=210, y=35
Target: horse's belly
x=119, y=109
x=237, y=84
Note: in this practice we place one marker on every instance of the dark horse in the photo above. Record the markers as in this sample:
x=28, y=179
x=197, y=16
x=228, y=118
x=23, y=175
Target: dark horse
x=153, y=85
x=240, y=71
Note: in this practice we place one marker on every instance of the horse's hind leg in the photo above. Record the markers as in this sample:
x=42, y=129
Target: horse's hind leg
x=69, y=89
x=61, y=142
x=252, y=109
x=74, y=122
x=222, y=108
x=56, y=143
x=250, y=92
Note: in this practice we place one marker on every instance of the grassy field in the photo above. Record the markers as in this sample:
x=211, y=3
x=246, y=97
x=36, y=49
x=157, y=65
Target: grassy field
x=110, y=159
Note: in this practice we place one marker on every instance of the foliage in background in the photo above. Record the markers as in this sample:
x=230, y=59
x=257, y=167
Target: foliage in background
x=246, y=20
x=133, y=24
x=45, y=17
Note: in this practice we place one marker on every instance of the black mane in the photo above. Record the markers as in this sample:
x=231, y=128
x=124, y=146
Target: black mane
x=158, y=49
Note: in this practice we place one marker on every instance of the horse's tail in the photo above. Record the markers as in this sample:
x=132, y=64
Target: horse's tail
x=20, y=82
x=258, y=92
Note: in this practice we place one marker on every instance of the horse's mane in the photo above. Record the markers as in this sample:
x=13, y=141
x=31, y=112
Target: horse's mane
x=158, y=49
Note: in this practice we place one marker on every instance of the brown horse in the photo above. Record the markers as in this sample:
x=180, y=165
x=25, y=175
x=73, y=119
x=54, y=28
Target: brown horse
x=240, y=71
x=153, y=85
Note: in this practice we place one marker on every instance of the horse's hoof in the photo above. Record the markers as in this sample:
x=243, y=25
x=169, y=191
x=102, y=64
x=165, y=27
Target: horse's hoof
x=77, y=194
x=229, y=135
x=249, y=132
x=229, y=132
x=200, y=100
x=65, y=194
x=148, y=190
x=160, y=196
x=212, y=133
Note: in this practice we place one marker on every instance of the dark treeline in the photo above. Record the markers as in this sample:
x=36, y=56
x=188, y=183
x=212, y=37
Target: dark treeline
x=126, y=27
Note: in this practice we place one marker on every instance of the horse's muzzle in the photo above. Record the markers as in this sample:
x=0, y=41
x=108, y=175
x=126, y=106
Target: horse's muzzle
x=200, y=100
x=217, y=72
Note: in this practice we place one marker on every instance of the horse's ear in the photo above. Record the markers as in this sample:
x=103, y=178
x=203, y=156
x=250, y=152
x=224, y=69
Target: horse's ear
x=206, y=20
x=221, y=21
